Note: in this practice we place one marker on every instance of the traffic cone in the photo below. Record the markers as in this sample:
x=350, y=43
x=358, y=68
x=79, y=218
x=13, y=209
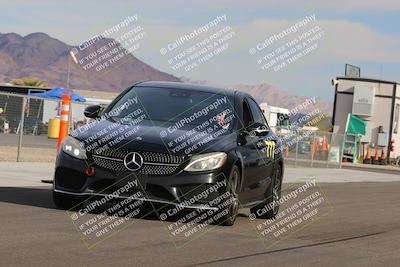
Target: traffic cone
x=367, y=159
x=64, y=112
x=324, y=147
x=383, y=157
x=315, y=146
x=376, y=157
x=286, y=152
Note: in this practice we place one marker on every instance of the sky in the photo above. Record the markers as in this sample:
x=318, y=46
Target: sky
x=362, y=33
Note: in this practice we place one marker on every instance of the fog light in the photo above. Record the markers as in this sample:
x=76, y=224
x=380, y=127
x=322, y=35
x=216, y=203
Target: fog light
x=89, y=171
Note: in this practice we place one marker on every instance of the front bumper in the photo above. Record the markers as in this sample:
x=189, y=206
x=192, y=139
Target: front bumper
x=70, y=179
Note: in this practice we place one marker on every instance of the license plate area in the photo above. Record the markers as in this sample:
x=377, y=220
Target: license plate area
x=132, y=181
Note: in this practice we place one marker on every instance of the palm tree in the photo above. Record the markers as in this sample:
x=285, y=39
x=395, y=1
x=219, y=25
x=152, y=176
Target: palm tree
x=29, y=81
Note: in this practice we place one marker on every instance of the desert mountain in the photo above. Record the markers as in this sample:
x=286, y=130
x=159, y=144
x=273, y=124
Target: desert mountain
x=46, y=58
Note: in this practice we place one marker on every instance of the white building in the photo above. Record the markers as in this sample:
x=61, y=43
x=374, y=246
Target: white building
x=375, y=101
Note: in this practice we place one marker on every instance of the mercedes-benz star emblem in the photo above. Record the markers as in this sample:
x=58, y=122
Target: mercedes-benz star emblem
x=133, y=161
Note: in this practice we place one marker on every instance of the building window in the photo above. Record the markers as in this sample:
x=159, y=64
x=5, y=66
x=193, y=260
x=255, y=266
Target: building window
x=396, y=118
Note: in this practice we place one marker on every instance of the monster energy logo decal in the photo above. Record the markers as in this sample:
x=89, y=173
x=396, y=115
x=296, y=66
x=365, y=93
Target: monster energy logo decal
x=270, y=149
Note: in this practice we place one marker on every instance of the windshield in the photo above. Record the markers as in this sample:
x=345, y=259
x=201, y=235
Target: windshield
x=166, y=106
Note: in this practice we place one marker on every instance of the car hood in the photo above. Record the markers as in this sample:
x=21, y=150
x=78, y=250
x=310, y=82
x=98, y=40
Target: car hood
x=149, y=137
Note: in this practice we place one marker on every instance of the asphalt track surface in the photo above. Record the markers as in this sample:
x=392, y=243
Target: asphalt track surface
x=363, y=229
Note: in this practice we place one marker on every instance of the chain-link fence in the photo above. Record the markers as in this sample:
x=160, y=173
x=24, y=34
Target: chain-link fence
x=311, y=148
x=29, y=127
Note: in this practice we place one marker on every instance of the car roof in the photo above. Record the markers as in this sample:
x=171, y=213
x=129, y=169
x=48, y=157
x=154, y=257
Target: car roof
x=187, y=86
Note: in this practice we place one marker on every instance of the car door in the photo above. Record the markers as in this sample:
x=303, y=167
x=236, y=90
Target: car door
x=266, y=144
x=255, y=173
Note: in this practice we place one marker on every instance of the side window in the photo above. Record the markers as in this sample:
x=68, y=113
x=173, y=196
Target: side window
x=258, y=116
x=246, y=114
x=396, y=119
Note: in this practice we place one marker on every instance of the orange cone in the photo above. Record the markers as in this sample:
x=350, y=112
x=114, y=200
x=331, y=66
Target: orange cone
x=368, y=153
x=315, y=146
x=376, y=157
x=367, y=159
x=286, y=152
x=64, y=112
x=324, y=147
x=383, y=157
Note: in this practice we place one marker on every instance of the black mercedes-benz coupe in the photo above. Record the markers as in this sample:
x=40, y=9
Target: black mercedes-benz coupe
x=175, y=141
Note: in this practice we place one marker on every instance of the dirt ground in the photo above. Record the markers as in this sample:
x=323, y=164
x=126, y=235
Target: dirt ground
x=31, y=154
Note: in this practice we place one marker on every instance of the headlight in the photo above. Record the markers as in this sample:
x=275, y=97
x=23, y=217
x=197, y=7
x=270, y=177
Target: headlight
x=206, y=162
x=72, y=147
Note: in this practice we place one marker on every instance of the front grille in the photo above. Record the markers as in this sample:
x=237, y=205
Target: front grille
x=160, y=157
x=148, y=156
x=109, y=164
x=158, y=169
x=153, y=163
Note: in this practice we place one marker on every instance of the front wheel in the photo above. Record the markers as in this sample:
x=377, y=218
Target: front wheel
x=233, y=208
x=272, y=199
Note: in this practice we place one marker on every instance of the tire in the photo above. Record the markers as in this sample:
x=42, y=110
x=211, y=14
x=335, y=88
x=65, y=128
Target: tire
x=64, y=202
x=233, y=187
x=272, y=197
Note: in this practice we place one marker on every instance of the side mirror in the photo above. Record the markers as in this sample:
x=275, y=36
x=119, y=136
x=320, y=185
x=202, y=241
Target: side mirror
x=92, y=111
x=257, y=129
